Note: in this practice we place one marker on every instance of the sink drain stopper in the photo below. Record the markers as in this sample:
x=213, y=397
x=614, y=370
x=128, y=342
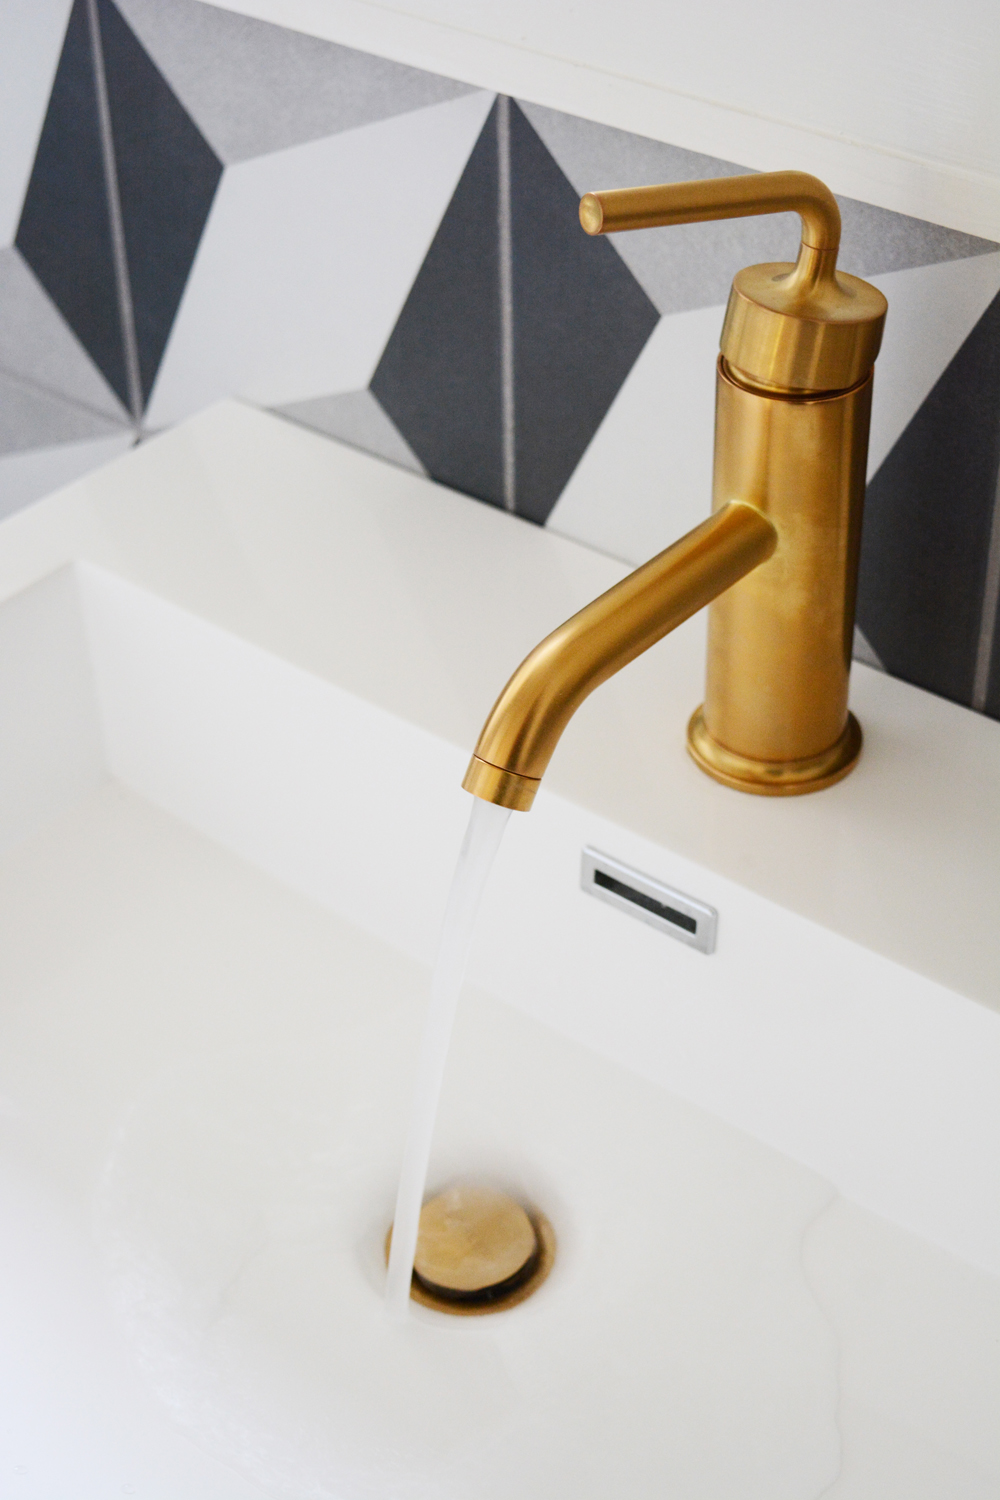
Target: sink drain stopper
x=478, y=1251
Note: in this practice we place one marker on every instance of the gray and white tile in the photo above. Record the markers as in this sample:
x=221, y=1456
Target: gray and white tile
x=307, y=258
x=253, y=87
x=355, y=417
x=38, y=346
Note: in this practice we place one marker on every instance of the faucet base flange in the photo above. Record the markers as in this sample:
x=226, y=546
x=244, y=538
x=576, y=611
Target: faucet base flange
x=773, y=778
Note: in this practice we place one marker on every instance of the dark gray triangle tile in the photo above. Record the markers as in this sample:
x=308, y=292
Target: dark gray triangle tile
x=254, y=87
x=988, y=662
x=580, y=322
x=692, y=265
x=928, y=517
x=439, y=376
x=64, y=232
x=992, y=705
x=167, y=177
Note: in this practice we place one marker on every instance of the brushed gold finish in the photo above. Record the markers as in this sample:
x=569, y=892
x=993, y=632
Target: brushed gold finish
x=472, y=1238
x=779, y=643
x=478, y=1251
x=786, y=331
x=777, y=560
x=505, y=788
x=718, y=198
x=778, y=778
x=548, y=687
x=802, y=327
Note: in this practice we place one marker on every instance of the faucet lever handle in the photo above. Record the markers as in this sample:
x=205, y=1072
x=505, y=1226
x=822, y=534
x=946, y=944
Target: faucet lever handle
x=718, y=198
x=801, y=328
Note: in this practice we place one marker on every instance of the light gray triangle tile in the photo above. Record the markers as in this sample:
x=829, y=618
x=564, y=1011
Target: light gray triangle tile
x=39, y=348
x=875, y=240
x=864, y=651
x=253, y=87
x=31, y=417
x=692, y=265
x=356, y=417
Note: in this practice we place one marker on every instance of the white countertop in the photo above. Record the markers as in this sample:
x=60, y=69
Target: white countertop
x=287, y=539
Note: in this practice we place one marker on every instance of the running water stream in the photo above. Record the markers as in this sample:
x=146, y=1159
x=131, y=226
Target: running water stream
x=479, y=847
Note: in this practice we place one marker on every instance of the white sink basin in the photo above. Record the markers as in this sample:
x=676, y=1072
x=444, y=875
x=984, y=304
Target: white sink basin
x=771, y=1171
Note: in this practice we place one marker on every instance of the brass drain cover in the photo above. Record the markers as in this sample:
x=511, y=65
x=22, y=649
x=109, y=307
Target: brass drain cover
x=478, y=1251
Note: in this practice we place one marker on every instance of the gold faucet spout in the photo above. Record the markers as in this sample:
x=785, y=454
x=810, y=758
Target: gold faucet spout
x=548, y=687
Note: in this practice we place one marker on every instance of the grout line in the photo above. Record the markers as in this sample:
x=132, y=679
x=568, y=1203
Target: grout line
x=126, y=311
x=506, y=257
x=988, y=618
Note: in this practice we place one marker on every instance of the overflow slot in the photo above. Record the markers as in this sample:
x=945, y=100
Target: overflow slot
x=683, y=917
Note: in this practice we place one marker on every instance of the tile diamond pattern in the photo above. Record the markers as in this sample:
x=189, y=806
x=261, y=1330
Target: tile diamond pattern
x=928, y=518
x=581, y=320
x=38, y=347
x=253, y=87
x=167, y=177
x=694, y=264
x=64, y=233
x=440, y=378
x=290, y=297
x=182, y=238
x=355, y=417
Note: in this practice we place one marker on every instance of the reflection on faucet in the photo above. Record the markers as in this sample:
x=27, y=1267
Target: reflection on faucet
x=778, y=556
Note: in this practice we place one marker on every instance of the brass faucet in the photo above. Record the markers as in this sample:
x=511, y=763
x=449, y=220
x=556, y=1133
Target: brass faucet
x=779, y=554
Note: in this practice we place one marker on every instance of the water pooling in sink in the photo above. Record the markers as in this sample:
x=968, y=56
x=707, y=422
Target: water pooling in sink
x=479, y=847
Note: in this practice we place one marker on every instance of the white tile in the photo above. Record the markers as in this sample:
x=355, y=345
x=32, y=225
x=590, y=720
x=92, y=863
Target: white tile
x=307, y=258
x=647, y=476
x=932, y=310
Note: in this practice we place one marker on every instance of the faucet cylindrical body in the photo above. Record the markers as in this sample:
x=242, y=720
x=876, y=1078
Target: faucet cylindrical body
x=775, y=715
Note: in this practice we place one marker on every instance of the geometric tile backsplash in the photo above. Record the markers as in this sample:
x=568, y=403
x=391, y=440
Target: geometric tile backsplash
x=219, y=206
